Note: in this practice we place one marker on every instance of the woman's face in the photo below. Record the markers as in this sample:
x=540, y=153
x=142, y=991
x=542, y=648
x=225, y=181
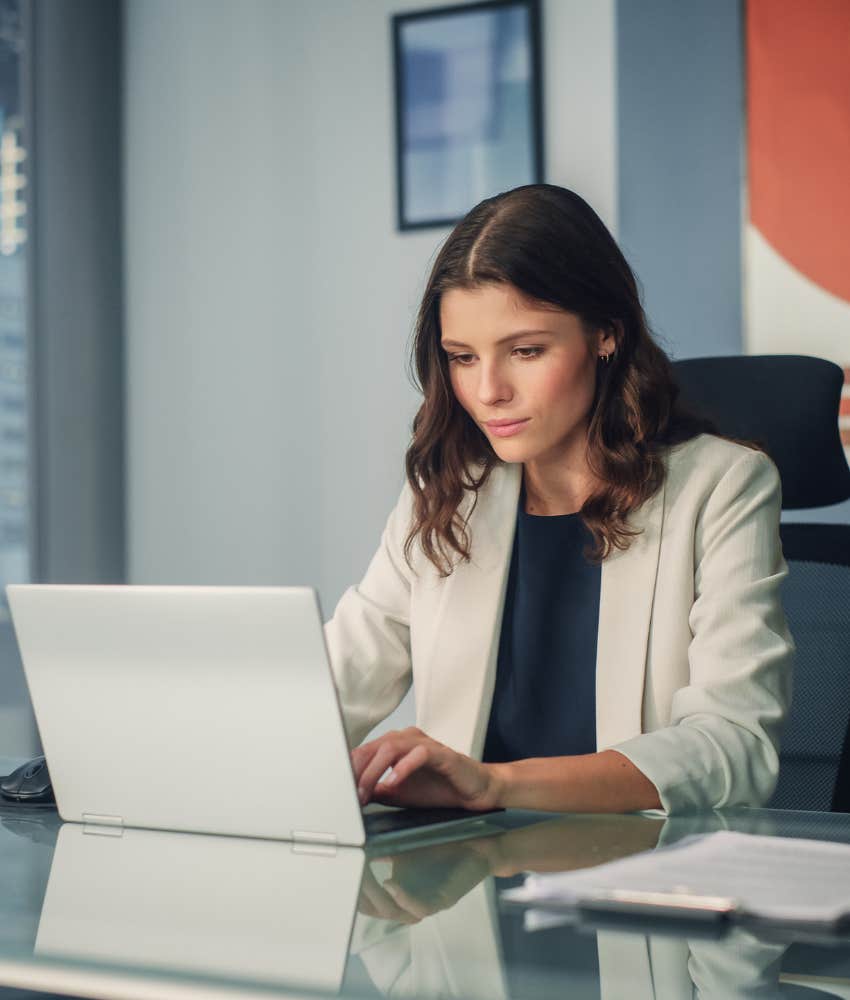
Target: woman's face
x=526, y=375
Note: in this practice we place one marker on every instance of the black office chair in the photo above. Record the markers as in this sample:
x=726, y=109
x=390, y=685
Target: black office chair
x=789, y=405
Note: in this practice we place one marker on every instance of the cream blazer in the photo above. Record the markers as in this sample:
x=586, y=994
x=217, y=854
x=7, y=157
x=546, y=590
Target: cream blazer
x=693, y=662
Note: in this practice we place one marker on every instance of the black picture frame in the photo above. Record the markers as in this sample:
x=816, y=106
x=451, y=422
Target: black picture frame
x=523, y=165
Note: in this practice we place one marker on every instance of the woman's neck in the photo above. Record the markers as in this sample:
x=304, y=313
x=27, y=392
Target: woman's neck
x=557, y=487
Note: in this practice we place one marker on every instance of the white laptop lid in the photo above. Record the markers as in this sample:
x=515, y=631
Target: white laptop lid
x=218, y=906
x=204, y=709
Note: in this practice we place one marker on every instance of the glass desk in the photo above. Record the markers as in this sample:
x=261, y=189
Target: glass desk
x=151, y=914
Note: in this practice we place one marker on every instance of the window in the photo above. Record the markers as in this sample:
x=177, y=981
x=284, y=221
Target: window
x=15, y=720
x=14, y=555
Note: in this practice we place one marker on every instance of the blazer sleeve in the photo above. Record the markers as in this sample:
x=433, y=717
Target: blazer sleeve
x=368, y=637
x=721, y=745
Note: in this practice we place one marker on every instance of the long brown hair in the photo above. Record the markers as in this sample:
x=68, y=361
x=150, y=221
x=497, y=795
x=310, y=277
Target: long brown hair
x=550, y=245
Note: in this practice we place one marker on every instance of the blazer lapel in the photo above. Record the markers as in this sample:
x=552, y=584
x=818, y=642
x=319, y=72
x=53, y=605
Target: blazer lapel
x=455, y=698
x=625, y=612
x=461, y=674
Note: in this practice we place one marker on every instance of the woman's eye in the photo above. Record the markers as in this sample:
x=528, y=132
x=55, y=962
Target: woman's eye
x=526, y=353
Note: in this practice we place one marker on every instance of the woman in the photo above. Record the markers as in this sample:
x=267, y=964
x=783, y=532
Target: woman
x=581, y=584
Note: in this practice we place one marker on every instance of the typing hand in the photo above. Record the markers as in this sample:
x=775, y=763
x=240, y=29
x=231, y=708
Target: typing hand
x=422, y=772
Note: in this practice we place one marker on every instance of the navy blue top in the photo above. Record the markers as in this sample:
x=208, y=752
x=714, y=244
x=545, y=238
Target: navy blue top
x=544, y=703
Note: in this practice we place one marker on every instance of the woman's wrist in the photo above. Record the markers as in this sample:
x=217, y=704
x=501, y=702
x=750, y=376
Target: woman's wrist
x=501, y=782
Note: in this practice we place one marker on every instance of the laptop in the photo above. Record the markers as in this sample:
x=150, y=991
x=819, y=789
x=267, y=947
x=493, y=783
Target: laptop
x=197, y=709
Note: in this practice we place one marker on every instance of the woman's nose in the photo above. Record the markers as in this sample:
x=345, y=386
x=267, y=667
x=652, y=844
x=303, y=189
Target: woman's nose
x=493, y=387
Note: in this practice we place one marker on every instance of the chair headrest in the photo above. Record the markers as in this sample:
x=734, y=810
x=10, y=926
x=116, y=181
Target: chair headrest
x=786, y=403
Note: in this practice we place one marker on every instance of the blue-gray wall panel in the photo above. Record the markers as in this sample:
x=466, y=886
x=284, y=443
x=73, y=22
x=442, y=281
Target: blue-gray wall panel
x=76, y=292
x=680, y=90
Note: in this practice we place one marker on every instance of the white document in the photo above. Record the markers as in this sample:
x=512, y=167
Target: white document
x=770, y=878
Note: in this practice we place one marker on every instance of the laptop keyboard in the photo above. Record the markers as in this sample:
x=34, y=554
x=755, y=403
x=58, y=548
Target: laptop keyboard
x=384, y=821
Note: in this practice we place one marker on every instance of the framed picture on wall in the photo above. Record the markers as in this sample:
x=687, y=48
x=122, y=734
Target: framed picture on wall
x=468, y=107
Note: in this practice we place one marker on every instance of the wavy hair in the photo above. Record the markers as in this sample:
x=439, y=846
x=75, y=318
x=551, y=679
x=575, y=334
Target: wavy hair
x=550, y=245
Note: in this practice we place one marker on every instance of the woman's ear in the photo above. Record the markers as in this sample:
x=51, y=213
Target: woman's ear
x=609, y=338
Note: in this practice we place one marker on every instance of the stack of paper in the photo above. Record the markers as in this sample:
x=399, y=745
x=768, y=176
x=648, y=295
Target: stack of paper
x=766, y=878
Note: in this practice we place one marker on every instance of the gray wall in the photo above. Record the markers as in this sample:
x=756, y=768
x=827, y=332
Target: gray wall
x=269, y=297
x=680, y=94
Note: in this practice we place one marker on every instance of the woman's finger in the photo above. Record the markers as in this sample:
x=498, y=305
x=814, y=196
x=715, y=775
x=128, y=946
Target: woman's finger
x=362, y=755
x=360, y=759
x=405, y=766
x=386, y=756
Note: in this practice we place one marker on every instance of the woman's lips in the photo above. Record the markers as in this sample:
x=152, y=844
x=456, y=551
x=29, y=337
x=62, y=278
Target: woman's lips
x=502, y=429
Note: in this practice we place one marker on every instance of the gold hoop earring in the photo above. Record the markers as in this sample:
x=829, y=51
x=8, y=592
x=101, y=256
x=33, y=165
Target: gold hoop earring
x=605, y=357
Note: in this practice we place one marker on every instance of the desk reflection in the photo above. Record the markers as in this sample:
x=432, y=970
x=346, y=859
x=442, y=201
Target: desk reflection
x=224, y=907
x=429, y=923
x=424, y=922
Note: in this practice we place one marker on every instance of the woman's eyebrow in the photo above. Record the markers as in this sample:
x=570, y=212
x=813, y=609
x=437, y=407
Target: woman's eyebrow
x=503, y=340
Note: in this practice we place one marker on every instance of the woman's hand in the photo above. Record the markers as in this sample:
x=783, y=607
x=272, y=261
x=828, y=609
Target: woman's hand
x=422, y=772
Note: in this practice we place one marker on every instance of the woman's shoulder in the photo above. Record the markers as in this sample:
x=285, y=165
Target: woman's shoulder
x=712, y=452
x=704, y=462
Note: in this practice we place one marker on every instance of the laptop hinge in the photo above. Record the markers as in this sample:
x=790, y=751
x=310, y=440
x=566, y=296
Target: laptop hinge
x=102, y=825
x=314, y=837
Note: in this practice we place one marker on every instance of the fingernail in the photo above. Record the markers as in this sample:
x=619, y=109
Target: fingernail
x=361, y=794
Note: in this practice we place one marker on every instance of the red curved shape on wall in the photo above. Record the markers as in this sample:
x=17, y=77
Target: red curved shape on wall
x=798, y=142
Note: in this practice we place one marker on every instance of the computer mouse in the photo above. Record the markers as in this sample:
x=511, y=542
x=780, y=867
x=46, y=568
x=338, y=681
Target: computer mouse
x=30, y=783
